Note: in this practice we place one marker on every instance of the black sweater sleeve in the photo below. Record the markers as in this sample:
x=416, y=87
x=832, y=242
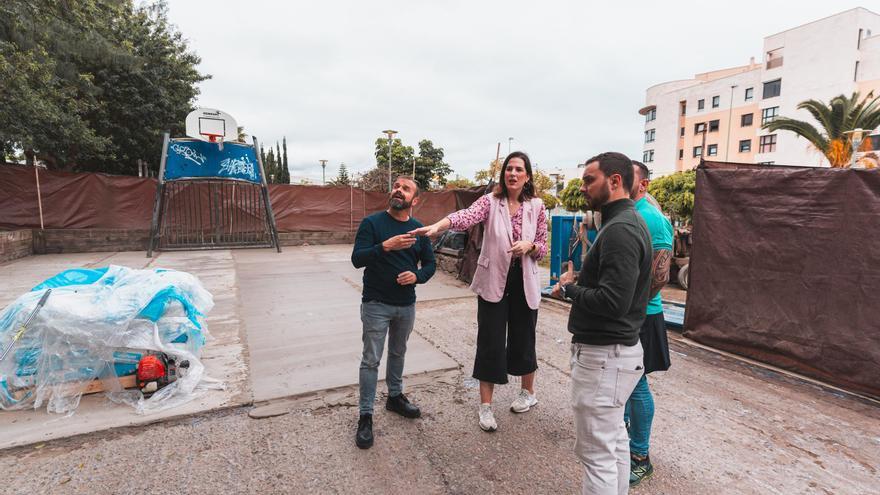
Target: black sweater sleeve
x=367, y=247
x=619, y=260
x=428, y=264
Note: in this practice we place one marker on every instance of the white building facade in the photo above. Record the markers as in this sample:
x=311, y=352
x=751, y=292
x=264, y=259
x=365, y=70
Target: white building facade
x=819, y=60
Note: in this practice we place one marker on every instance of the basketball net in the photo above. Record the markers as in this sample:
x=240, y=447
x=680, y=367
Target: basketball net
x=215, y=138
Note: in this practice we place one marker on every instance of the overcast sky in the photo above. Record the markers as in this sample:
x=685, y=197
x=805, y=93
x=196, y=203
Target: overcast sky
x=564, y=79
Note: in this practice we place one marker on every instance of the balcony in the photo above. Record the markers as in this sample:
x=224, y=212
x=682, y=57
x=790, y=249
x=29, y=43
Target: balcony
x=774, y=63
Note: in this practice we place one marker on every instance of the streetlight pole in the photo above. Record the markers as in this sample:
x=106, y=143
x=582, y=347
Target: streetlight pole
x=323, y=172
x=509, y=142
x=390, y=133
x=729, y=117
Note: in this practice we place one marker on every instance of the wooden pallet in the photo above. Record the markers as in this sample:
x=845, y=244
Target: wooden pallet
x=94, y=387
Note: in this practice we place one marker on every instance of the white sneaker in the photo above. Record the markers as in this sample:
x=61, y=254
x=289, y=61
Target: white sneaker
x=487, y=419
x=523, y=402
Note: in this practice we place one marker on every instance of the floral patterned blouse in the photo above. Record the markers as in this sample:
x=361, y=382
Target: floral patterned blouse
x=479, y=212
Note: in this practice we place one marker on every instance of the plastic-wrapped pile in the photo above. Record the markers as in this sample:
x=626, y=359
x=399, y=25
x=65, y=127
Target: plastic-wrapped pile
x=96, y=324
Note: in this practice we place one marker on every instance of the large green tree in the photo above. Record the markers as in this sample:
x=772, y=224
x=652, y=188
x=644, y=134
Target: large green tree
x=489, y=174
x=430, y=169
x=571, y=198
x=401, y=158
x=92, y=85
x=675, y=193
x=840, y=115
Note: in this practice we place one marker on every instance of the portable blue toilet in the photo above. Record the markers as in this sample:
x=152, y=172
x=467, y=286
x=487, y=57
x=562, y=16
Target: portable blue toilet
x=564, y=245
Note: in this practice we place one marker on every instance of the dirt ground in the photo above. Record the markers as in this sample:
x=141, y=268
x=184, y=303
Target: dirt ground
x=721, y=426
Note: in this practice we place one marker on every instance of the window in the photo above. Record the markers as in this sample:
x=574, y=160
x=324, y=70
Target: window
x=680, y=154
x=649, y=135
x=681, y=132
x=698, y=151
x=712, y=150
x=684, y=107
x=698, y=128
x=750, y=93
x=701, y=104
x=769, y=114
x=648, y=156
x=766, y=163
x=713, y=126
x=772, y=88
x=774, y=58
x=856, y=72
x=767, y=144
x=745, y=120
x=651, y=115
x=745, y=145
x=716, y=101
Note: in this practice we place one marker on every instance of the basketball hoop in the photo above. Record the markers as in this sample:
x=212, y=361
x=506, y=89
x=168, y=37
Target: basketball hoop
x=214, y=138
x=211, y=125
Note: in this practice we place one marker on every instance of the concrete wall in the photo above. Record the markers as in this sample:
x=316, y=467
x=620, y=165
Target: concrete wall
x=15, y=244
x=315, y=238
x=52, y=241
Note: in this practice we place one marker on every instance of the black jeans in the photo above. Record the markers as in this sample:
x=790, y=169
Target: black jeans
x=506, y=333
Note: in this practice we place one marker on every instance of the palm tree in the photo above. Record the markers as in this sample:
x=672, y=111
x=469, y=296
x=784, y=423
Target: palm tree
x=838, y=116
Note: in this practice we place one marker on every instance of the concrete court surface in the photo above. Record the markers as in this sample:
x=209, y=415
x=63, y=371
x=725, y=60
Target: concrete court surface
x=721, y=426
x=302, y=312
x=283, y=324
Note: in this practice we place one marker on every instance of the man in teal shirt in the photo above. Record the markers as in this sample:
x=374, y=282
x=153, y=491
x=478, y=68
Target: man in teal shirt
x=640, y=407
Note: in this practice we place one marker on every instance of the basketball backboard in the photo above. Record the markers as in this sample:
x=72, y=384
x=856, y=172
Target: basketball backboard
x=212, y=125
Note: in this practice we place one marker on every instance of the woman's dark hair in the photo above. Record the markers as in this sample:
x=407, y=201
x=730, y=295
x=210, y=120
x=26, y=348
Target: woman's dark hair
x=528, y=190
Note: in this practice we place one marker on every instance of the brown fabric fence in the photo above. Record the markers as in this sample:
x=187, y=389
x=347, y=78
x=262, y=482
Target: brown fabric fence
x=785, y=269
x=100, y=201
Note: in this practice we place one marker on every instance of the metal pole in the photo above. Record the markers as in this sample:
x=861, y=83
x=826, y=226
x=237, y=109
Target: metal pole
x=323, y=174
x=390, y=133
x=160, y=190
x=389, y=162
x=509, y=142
x=729, y=117
x=265, y=187
x=703, y=147
x=857, y=142
x=39, y=194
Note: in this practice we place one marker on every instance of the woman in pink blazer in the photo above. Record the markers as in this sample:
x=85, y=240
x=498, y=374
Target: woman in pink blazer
x=506, y=282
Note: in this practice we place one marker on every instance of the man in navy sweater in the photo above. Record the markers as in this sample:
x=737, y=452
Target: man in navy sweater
x=392, y=257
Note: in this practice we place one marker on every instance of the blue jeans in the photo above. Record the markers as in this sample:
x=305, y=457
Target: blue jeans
x=639, y=415
x=379, y=320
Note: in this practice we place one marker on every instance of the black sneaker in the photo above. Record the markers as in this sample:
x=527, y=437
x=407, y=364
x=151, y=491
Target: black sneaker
x=401, y=405
x=364, y=437
x=640, y=470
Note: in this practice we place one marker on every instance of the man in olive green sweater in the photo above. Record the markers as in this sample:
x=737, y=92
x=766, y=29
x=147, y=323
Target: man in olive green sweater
x=609, y=300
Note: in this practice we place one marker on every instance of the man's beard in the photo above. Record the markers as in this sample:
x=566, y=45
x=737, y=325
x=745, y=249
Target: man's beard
x=398, y=203
x=595, y=203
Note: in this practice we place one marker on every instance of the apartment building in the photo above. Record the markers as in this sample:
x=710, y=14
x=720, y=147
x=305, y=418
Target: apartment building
x=718, y=115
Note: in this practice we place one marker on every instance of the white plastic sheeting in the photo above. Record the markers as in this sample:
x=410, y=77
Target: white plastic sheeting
x=96, y=324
